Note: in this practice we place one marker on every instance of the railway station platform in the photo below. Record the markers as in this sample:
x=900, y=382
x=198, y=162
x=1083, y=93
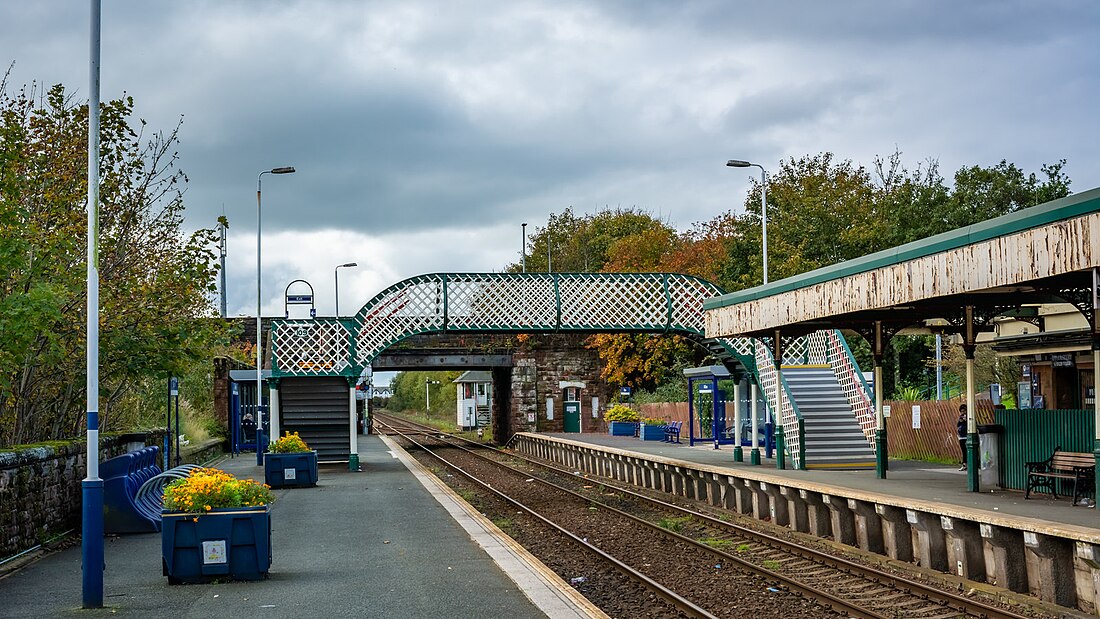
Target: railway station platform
x=921, y=514
x=385, y=542
x=905, y=479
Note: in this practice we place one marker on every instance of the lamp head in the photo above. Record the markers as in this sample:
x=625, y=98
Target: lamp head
x=738, y=163
x=350, y=264
x=283, y=170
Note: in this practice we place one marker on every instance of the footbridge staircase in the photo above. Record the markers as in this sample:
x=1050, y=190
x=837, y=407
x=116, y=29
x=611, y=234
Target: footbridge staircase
x=567, y=302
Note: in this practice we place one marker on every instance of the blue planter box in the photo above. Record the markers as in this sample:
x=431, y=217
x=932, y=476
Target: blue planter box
x=622, y=428
x=289, y=470
x=223, y=544
x=652, y=433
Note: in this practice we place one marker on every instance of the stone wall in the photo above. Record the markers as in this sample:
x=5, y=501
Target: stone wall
x=40, y=491
x=540, y=365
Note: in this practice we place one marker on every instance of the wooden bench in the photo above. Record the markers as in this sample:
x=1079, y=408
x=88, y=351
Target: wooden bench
x=672, y=432
x=1077, y=466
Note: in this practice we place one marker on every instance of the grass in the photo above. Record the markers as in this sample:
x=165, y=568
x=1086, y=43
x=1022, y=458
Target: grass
x=674, y=524
x=772, y=565
x=504, y=524
x=743, y=548
x=720, y=544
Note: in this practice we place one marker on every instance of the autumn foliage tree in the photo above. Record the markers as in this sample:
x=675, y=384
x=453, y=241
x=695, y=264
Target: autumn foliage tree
x=821, y=211
x=155, y=280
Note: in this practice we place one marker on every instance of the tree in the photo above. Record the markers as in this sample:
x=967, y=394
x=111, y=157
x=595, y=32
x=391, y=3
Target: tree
x=155, y=281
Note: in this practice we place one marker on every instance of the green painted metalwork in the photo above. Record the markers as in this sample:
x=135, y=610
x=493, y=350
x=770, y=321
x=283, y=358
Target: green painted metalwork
x=525, y=303
x=1056, y=210
x=1031, y=435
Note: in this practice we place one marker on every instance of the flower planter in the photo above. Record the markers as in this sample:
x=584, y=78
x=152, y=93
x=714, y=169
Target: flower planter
x=223, y=544
x=622, y=428
x=283, y=470
x=652, y=433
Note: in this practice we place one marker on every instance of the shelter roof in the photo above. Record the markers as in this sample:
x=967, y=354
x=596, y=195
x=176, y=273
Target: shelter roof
x=1034, y=255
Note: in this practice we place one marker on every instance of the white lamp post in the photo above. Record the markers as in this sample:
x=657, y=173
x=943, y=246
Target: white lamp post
x=259, y=326
x=737, y=163
x=336, y=274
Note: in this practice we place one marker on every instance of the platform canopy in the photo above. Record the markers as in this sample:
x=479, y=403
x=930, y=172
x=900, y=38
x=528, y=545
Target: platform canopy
x=1043, y=254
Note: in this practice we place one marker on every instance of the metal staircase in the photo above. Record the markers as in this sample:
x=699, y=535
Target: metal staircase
x=834, y=440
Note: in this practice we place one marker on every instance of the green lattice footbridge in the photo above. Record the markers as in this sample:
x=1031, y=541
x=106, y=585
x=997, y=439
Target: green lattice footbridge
x=520, y=303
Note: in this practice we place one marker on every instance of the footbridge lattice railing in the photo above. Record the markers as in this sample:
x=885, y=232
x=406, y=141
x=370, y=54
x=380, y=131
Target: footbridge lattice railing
x=520, y=303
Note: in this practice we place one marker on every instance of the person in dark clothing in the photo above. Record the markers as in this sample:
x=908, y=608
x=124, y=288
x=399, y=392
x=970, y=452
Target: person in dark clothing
x=960, y=429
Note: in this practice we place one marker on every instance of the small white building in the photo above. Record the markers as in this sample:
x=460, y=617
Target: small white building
x=474, y=398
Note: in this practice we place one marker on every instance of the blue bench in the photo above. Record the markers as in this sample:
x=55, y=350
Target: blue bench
x=672, y=431
x=122, y=477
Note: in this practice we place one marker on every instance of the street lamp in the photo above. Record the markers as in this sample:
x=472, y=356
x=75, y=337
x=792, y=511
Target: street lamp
x=737, y=163
x=523, y=247
x=427, y=398
x=259, y=327
x=336, y=274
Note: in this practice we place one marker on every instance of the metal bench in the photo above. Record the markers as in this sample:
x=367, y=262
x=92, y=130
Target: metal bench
x=1069, y=465
x=672, y=431
x=133, y=491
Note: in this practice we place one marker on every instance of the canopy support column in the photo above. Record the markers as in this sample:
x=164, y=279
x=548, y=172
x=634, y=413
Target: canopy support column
x=971, y=405
x=754, y=452
x=777, y=414
x=1096, y=373
x=882, y=458
x=738, y=456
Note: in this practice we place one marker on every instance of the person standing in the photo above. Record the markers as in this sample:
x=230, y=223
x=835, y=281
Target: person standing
x=960, y=430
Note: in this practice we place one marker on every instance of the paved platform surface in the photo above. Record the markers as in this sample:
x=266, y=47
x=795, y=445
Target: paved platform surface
x=914, y=480
x=369, y=544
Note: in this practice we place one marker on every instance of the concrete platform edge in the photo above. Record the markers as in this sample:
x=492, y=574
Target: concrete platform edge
x=539, y=583
x=1024, y=523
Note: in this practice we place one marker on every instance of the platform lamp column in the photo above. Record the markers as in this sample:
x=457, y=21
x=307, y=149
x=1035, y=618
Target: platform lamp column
x=353, y=455
x=777, y=414
x=971, y=405
x=91, y=487
x=336, y=276
x=881, y=457
x=738, y=163
x=754, y=451
x=260, y=446
x=738, y=456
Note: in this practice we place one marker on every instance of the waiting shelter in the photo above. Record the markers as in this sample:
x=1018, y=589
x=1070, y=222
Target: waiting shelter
x=954, y=283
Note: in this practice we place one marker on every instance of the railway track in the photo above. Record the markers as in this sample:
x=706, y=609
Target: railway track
x=846, y=587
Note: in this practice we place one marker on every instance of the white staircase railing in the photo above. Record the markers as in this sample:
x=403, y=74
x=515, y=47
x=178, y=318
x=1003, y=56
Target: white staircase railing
x=789, y=415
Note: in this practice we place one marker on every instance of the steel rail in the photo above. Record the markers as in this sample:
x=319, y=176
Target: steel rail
x=869, y=573
x=825, y=598
x=906, y=585
x=677, y=601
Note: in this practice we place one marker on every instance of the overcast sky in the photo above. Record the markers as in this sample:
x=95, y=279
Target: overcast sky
x=425, y=132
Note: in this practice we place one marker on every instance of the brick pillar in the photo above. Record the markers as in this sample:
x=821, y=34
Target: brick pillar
x=502, y=405
x=221, y=391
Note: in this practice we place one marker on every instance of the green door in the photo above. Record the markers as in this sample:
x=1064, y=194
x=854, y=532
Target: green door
x=572, y=416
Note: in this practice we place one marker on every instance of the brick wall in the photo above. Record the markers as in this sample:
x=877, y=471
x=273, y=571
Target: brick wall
x=40, y=491
x=539, y=366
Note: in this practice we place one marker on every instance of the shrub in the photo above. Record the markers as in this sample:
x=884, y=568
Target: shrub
x=289, y=444
x=653, y=421
x=621, y=412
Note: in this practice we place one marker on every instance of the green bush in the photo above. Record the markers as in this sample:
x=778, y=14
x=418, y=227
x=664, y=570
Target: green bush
x=621, y=412
x=653, y=421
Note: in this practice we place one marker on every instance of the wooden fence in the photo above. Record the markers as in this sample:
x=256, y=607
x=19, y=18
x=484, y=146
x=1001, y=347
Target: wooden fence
x=669, y=411
x=936, y=438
